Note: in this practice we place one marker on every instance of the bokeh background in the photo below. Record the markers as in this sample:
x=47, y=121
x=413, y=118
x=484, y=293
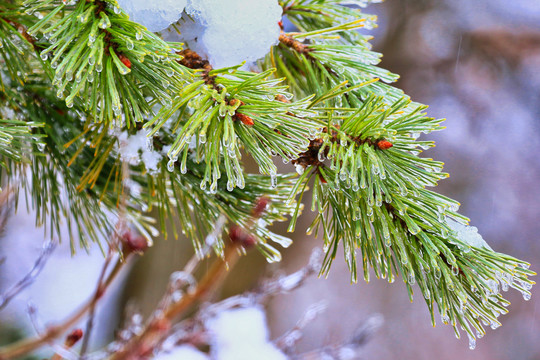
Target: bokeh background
x=477, y=64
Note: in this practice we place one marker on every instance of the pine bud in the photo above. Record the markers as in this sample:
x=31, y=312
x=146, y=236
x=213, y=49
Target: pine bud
x=384, y=144
x=260, y=206
x=240, y=236
x=123, y=58
x=73, y=337
x=134, y=243
x=246, y=120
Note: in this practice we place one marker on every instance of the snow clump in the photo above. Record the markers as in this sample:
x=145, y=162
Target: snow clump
x=242, y=334
x=132, y=145
x=156, y=15
x=224, y=32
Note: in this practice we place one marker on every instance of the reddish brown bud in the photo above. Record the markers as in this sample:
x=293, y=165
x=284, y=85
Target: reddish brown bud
x=73, y=337
x=282, y=98
x=246, y=120
x=161, y=324
x=260, y=206
x=240, y=236
x=384, y=144
x=134, y=242
x=123, y=58
x=236, y=101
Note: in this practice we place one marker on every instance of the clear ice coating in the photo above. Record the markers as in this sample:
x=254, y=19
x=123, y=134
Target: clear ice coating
x=228, y=32
x=156, y=15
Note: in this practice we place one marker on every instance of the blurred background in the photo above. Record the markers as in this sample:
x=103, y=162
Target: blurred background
x=477, y=64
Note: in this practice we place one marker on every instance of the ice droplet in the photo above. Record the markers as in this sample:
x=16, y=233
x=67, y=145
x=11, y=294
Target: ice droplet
x=472, y=342
x=273, y=181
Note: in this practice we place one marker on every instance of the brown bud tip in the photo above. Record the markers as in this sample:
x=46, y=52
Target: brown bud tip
x=125, y=60
x=161, y=324
x=282, y=98
x=134, y=242
x=240, y=236
x=246, y=120
x=73, y=337
x=236, y=101
x=260, y=206
x=384, y=144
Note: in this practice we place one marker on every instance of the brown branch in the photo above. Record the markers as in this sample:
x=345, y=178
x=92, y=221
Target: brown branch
x=22, y=30
x=159, y=325
x=294, y=44
x=141, y=346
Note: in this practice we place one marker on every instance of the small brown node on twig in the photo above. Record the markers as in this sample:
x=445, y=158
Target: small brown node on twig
x=260, y=206
x=73, y=337
x=233, y=102
x=242, y=237
x=282, y=98
x=293, y=43
x=311, y=156
x=133, y=243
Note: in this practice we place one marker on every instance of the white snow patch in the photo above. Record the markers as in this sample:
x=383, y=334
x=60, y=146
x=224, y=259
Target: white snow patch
x=229, y=32
x=184, y=352
x=242, y=334
x=156, y=15
x=131, y=145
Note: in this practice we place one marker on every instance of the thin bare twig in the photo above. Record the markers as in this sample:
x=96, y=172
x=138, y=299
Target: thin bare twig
x=97, y=294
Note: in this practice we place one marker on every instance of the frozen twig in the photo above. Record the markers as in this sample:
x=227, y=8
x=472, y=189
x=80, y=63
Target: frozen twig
x=30, y=277
x=349, y=349
x=288, y=341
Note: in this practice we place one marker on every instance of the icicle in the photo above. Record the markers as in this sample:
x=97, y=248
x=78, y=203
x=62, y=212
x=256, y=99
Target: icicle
x=472, y=342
